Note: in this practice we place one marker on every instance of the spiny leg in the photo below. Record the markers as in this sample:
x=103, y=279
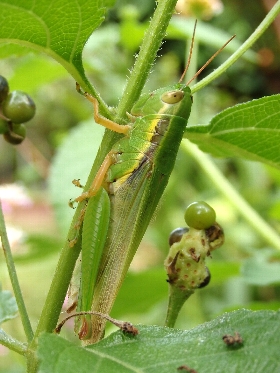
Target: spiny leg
x=99, y=177
x=113, y=126
x=92, y=191
x=109, y=159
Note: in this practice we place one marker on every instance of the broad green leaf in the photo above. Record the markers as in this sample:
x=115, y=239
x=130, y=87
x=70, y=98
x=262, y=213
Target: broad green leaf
x=33, y=65
x=222, y=271
x=60, y=30
x=38, y=247
x=7, y=50
x=250, y=130
x=262, y=269
x=257, y=306
x=162, y=350
x=8, y=306
x=137, y=293
x=72, y=162
x=138, y=296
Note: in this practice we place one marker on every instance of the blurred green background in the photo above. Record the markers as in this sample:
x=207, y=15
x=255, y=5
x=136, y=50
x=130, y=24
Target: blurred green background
x=36, y=176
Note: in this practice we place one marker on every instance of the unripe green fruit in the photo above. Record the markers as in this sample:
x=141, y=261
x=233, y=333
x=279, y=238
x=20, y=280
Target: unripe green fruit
x=18, y=107
x=206, y=280
x=17, y=136
x=4, y=88
x=176, y=235
x=3, y=126
x=200, y=215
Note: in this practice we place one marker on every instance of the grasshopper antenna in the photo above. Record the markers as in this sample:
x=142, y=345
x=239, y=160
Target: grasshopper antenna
x=210, y=60
x=190, y=53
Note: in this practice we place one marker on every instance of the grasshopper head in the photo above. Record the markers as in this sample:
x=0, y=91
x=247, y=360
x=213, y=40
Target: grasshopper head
x=172, y=97
x=177, y=101
x=162, y=99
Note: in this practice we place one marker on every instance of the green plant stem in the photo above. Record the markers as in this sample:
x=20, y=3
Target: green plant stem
x=14, y=279
x=56, y=295
x=225, y=188
x=143, y=64
x=12, y=344
x=270, y=17
x=62, y=277
x=177, y=299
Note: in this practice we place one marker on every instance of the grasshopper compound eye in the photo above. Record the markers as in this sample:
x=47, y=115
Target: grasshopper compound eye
x=200, y=215
x=172, y=97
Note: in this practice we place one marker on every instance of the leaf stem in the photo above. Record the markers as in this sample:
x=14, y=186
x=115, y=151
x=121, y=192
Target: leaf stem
x=224, y=186
x=177, y=299
x=61, y=280
x=148, y=51
x=11, y=343
x=270, y=17
x=14, y=279
x=58, y=288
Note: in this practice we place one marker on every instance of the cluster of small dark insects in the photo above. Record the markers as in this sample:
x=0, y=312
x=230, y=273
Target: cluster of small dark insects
x=231, y=340
x=16, y=108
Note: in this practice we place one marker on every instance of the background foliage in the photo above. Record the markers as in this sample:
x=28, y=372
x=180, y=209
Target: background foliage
x=245, y=271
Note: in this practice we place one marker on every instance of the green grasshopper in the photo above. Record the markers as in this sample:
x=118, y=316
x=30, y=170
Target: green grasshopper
x=125, y=194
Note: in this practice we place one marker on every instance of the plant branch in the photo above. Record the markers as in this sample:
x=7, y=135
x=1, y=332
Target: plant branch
x=148, y=51
x=11, y=343
x=14, y=279
x=240, y=51
x=58, y=289
x=225, y=188
x=177, y=299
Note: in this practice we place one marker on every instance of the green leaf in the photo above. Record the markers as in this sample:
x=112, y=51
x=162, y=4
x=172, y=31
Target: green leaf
x=262, y=269
x=8, y=306
x=38, y=247
x=222, y=271
x=33, y=65
x=60, y=30
x=141, y=295
x=250, y=130
x=163, y=350
x=72, y=162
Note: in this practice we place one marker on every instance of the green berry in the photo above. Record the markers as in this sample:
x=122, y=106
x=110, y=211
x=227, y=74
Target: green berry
x=4, y=88
x=16, y=136
x=206, y=280
x=200, y=215
x=176, y=235
x=19, y=107
x=3, y=126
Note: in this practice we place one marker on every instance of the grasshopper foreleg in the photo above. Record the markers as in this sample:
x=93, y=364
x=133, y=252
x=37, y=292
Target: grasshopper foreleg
x=113, y=126
x=99, y=178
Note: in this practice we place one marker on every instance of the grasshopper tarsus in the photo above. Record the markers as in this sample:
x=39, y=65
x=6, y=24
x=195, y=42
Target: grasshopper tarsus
x=71, y=203
x=77, y=183
x=78, y=89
